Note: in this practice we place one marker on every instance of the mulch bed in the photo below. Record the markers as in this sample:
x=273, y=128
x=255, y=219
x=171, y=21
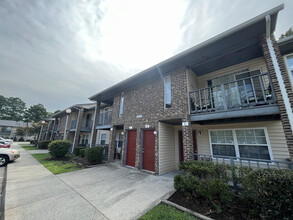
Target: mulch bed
x=237, y=210
x=84, y=162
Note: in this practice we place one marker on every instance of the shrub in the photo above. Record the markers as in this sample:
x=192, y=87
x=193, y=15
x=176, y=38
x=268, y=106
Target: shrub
x=76, y=150
x=32, y=142
x=216, y=191
x=44, y=144
x=82, y=152
x=270, y=193
x=205, y=169
x=21, y=139
x=59, y=148
x=14, y=139
x=94, y=154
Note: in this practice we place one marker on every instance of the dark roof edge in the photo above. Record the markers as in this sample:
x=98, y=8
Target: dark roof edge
x=196, y=47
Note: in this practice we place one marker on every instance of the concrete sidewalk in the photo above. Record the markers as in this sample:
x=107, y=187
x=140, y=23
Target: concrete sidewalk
x=33, y=192
x=102, y=192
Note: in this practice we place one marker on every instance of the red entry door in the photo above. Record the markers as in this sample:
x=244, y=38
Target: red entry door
x=148, y=161
x=131, y=148
x=181, y=151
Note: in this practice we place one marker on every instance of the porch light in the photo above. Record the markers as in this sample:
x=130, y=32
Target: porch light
x=122, y=133
x=155, y=132
x=68, y=111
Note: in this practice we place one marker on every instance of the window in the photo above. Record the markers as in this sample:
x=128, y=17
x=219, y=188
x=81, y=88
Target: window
x=289, y=64
x=121, y=105
x=167, y=92
x=88, y=120
x=245, y=143
x=103, y=139
x=222, y=143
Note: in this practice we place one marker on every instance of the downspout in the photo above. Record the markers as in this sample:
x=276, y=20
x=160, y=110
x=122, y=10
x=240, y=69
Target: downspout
x=93, y=126
x=77, y=124
x=278, y=71
x=52, y=130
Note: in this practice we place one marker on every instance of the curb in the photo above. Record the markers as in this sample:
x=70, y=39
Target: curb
x=2, y=194
x=196, y=214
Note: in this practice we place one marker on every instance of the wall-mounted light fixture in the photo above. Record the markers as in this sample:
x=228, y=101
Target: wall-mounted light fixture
x=122, y=133
x=199, y=133
x=155, y=132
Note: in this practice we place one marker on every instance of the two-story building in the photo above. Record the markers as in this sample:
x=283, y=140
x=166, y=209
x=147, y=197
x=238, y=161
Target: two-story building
x=227, y=97
x=76, y=125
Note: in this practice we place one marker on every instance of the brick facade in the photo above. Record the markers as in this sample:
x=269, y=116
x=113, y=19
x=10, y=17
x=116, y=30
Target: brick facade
x=148, y=101
x=284, y=117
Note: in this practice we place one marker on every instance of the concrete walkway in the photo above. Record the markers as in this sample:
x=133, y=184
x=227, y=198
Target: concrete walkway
x=102, y=192
x=38, y=151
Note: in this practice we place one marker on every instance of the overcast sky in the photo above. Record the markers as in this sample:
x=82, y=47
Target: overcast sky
x=60, y=52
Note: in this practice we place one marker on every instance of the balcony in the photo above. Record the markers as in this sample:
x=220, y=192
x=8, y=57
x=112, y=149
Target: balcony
x=73, y=125
x=104, y=120
x=55, y=128
x=245, y=97
x=87, y=126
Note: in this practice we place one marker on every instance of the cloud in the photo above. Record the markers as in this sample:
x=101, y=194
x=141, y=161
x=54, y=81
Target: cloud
x=59, y=53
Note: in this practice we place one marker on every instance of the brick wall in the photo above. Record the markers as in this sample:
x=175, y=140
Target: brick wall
x=148, y=101
x=284, y=117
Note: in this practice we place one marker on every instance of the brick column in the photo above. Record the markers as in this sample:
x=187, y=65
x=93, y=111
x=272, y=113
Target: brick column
x=187, y=139
x=284, y=117
x=112, y=144
x=94, y=133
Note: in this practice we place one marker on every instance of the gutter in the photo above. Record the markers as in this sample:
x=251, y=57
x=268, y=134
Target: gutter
x=278, y=71
x=93, y=126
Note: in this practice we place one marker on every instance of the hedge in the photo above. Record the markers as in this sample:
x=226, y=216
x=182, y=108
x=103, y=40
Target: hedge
x=76, y=150
x=43, y=144
x=269, y=192
x=94, y=154
x=59, y=148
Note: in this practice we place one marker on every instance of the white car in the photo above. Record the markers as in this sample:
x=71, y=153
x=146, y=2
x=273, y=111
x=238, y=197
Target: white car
x=7, y=141
x=7, y=155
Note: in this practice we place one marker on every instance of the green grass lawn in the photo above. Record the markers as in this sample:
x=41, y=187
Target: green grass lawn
x=57, y=166
x=29, y=147
x=165, y=212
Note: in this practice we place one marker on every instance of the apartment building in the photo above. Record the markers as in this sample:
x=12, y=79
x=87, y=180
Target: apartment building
x=227, y=97
x=76, y=125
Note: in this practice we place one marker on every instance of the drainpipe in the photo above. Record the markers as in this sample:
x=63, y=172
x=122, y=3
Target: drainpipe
x=93, y=126
x=77, y=124
x=278, y=71
x=53, y=129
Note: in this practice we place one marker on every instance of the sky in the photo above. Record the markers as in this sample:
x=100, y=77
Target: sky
x=60, y=52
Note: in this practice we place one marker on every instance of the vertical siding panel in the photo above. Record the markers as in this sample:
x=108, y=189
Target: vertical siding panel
x=166, y=148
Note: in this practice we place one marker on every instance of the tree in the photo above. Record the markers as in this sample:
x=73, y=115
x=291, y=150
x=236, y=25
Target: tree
x=287, y=34
x=11, y=108
x=35, y=113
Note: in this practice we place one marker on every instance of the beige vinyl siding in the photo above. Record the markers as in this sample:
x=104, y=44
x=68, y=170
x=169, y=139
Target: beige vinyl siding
x=166, y=148
x=275, y=135
x=258, y=63
x=99, y=134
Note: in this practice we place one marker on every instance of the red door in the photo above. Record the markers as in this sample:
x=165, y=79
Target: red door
x=131, y=148
x=148, y=161
x=181, y=158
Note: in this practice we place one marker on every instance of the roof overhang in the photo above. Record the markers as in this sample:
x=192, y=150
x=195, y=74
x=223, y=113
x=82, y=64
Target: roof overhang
x=286, y=45
x=239, y=44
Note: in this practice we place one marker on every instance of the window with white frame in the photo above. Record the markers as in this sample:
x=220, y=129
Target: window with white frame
x=289, y=64
x=103, y=139
x=167, y=91
x=121, y=104
x=245, y=143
